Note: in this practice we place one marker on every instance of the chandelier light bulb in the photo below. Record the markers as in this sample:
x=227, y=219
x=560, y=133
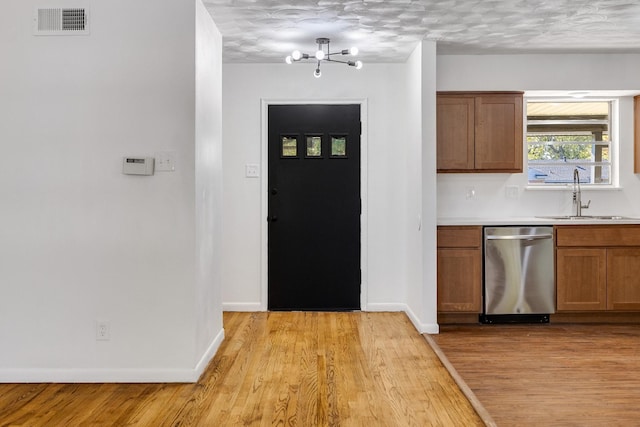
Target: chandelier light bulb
x=288, y=60
x=353, y=51
x=317, y=73
x=358, y=65
x=319, y=55
x=296, y=55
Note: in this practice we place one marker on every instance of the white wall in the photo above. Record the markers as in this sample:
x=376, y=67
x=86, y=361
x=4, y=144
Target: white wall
x=383, y=87
x=208, y=190
x=540, y=73
x=429, y=199
x=80, y=241
x=421, y=190
x=414, y=225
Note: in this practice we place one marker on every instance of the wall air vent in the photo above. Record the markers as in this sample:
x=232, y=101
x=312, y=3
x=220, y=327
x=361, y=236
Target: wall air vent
x=61, y=21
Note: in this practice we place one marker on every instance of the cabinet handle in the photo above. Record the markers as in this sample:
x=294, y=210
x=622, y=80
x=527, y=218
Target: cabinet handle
x=522, y=237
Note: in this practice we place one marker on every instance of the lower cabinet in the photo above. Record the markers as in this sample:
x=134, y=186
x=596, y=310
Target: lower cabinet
x=459, y=269
x=598, y=268
x=623, y=279
x=581, y=279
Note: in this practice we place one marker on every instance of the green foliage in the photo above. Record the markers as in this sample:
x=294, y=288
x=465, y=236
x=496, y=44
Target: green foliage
x=547, y=147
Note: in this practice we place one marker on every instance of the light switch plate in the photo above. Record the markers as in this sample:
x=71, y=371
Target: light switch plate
x=165, y=161
x=252, y=170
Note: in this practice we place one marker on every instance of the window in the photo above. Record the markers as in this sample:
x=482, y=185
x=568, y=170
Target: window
x=564, y=135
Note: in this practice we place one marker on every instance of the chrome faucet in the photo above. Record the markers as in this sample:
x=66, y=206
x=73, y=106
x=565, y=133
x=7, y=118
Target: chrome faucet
x=577, y=194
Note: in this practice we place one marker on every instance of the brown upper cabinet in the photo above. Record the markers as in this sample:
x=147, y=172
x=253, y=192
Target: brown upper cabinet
x=479, y=132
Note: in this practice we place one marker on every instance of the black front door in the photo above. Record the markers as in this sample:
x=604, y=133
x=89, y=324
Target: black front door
x=314, y=207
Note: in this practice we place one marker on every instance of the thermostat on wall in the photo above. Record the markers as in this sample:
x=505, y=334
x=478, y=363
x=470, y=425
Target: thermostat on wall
x=137, y=165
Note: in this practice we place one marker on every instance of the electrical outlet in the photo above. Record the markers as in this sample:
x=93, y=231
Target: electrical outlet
x=512, y=191
x=103, y=330
x=470, y=193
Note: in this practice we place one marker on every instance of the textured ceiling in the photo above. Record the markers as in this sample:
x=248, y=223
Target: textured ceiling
x=387, y=31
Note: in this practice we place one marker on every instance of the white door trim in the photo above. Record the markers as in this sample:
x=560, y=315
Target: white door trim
x=264, y=199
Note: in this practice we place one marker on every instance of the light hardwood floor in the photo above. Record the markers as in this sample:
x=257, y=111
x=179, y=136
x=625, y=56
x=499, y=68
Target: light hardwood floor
x=549, y=375
x=285, y=369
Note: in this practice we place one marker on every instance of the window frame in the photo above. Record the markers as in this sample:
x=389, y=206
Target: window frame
x=614, y=142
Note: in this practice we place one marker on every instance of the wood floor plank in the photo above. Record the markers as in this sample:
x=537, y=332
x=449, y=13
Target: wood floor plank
x=560, y=375
x=277, y=368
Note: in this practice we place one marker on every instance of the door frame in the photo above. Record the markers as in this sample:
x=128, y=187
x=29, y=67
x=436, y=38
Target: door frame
x=264, y=191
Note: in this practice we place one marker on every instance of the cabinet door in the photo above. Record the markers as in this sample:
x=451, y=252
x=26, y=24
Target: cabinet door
x=623, y=279
x=499, y=133
x=581, y=279
x=459, y=280
x=455, y=132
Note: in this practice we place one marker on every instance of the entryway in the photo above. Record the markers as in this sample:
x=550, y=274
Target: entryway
x=314, y=207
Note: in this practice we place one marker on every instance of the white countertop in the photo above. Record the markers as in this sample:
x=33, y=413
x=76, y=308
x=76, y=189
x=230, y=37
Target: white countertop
x=533, y=220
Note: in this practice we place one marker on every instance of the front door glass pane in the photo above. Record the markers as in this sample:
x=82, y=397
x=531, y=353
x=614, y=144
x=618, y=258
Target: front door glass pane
x=338, y=146
x=289, y=146
x=314, y=146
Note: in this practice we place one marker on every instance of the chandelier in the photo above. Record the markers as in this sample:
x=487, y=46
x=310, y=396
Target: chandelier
x=324, y=54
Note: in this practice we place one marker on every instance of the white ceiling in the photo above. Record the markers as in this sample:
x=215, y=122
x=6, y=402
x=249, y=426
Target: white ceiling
x=387, y=31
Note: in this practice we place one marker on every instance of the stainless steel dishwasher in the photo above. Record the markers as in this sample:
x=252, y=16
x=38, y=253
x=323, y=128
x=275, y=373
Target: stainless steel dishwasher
x=519, y=283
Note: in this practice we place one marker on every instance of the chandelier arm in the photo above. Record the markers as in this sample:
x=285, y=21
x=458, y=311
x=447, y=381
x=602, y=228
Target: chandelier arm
x=336, y=60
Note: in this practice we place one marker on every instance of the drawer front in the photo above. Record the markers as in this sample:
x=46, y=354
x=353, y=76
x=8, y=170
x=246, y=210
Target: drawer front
x=459, y=237
x=597, y=235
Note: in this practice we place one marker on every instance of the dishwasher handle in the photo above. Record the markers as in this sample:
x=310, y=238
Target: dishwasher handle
x=521, y=237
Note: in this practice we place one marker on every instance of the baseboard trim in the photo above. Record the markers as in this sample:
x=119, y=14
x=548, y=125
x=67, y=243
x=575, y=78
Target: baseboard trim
x=386, y=307
x=114, y=375
x=208, y=355
x=423, y=328
x=242, y=306
x=98, y=376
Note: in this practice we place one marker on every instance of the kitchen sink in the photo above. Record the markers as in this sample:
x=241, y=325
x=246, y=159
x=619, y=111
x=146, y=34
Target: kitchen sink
x=586, y=217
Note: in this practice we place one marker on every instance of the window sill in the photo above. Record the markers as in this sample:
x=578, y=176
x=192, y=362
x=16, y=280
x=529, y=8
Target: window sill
x=569, y=187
